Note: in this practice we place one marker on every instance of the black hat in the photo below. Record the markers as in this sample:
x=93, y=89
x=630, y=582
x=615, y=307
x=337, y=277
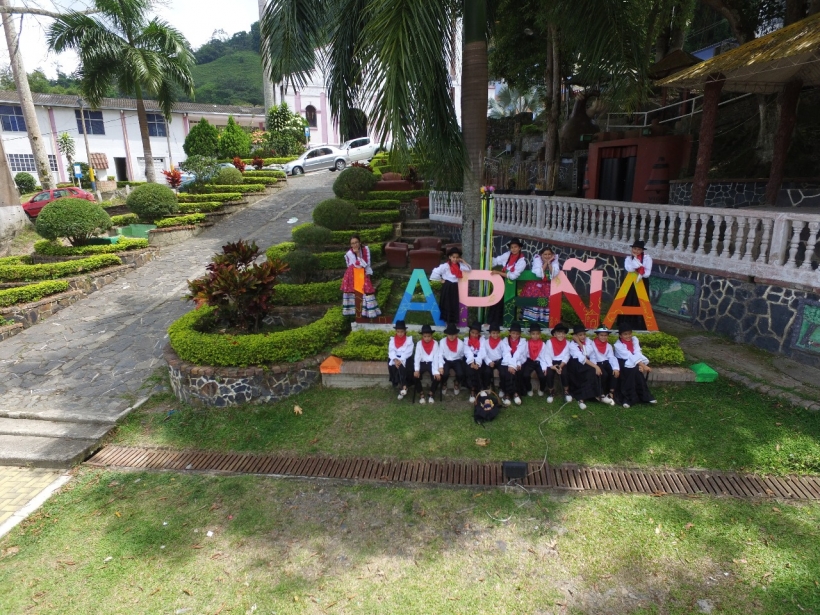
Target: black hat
x=639, y=244
x=454, y=250
x=514, y=327
x=602, y=329
x=579, y=329
x=426, y=329
x=496, y=327
x=624, y=327
x=560, y=327
x=517, y=241
x=534, y=326
x=400, y=325
x=451, y=329
x=476, y=326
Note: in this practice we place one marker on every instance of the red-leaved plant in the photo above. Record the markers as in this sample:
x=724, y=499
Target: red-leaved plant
x=237, y=162
x=173, y=177
x=362, y=165
x=240, y=289
x=257, y=163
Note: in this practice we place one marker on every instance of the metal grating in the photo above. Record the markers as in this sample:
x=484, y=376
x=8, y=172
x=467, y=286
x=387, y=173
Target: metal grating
x=467, y=473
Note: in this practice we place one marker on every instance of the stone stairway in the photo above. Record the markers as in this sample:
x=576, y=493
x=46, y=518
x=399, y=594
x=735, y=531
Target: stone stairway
x=416, y=228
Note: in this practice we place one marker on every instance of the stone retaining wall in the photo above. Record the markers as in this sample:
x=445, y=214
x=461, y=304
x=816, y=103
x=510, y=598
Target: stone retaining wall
x=160, y=237
x=747, y=193
x=230, y=386
x=128, y=257
x=28, y=314
x=6, y=331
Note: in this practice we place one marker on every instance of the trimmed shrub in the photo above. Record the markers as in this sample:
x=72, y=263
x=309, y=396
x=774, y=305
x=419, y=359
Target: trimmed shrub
x=52, y=248
x=375, y=235
x=302, y=265
x=310, y=236
x=228, y=176
x=234, y=142
x=203, y=168
x=354, y=183
x=192, y=208
x=192, y=345
x=335, y=214
x=240, y=188
x=308, y=294
x=272, y=173
x=404, y=196
x=124, y=219
x=51, y=271
x=202, y=139
x=252, y=181
x=180, y=221
x=25, y=182
x=32, y=292
x=378, y=204
x=327, y=260
x=279, y=250
x=124, y=184
x=377, y=217
x=152, y=201
x=210, y=197
x=75, y=219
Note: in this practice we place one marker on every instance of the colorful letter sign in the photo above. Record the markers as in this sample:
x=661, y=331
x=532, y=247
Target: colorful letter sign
x=644, y=309
x=562, y=287
x=480, y=275
x=429, y=305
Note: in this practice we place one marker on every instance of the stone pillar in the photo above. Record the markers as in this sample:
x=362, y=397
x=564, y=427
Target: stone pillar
x=783, y=137
x=711, y=98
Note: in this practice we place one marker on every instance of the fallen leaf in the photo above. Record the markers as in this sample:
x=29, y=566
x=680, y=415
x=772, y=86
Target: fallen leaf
x=777, y=447
x=215, y=506
x=154, y=592
x=689, y=526
x=187, y=591
x=113, y=483
x=196, y=546
x=297, y=410
x=778, y=424
x=482, y=441
x=117, y=514
x=775, y=509
x=9, y=551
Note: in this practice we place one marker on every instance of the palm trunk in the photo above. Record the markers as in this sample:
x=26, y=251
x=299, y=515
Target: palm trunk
x=150, y=176
x=8, y=192
x=474, y=78
x=552, y=152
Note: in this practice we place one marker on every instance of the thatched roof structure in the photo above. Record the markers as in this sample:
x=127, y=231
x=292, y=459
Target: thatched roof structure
x=673, y=62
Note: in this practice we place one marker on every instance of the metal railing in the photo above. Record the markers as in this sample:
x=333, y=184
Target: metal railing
x=643, y=119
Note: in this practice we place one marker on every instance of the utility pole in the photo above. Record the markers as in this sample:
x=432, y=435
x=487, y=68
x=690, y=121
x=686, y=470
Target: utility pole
x=38, y=147
x=267, y=86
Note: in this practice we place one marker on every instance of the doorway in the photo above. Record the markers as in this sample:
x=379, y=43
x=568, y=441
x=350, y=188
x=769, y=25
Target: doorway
x=121, y=169
x=617, y=173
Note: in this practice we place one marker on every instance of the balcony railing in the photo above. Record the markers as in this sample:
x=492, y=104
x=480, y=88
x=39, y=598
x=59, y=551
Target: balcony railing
x=771, y=245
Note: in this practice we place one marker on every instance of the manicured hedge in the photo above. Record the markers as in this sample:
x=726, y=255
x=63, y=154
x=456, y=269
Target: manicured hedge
x=276, y=174
x=253, y=349
x=378, y=204
x=180, y=221
x=241, y=189
x=52, y=248
x=278, y=251
x=266, y=161
x=33, y=292
x=124, y=219
x=132, y=184
x=402, y=195
x=192, y=208
x=254, y=181
x=307, y=294
x=375, y=217
x=327, y=260
x=210, y=197
x=50, y=271
x=373, y=235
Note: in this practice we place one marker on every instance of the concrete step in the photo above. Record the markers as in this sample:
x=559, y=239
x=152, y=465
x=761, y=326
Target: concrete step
x=53, y=429
x=42, y=452
x=412, y=223
x=422, y=232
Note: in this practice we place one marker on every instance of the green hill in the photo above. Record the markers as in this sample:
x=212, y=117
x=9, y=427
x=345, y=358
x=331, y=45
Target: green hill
x=233, y=79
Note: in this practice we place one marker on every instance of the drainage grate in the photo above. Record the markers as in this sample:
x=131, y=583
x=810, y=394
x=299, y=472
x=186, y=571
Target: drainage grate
x=566, y=476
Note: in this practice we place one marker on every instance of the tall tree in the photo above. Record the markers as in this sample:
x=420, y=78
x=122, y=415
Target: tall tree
x=118, y=44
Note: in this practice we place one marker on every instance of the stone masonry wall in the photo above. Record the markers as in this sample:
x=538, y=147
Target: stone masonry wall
x=748, y=193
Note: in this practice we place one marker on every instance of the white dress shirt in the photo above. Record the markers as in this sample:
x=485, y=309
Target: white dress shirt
x=402, y=353
x=493, y=355
x=359, y=263
x=606, y=357
x=631, y=358
x=633, y=264
x=442, y=272
x=538, y=267
x=449, y=355
x=583, y=352
x=517, y=358
x=552, y=355
x=434, y=357
x=543, y=355
x=518, y=268
x=474, y=356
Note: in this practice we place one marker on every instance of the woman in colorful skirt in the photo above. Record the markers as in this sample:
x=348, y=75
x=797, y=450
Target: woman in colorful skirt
x=357, y=280
x=545, y=266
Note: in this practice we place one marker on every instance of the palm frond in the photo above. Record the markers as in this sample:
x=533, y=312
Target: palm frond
x=292, y=31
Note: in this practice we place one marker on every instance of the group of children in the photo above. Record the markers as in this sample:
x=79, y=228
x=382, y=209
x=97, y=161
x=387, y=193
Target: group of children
x=579, y=369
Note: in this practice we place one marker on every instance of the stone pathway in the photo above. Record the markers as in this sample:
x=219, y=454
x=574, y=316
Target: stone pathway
x=67, y=380
x=23, y=490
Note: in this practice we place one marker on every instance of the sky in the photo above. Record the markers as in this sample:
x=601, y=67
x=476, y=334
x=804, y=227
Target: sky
x=196, y=19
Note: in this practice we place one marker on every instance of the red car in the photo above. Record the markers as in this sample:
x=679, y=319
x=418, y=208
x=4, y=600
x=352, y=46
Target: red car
x=33, y=206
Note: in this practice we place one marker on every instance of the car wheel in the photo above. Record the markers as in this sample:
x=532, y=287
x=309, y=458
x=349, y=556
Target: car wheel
x=340, y=165
x=297, y=171
x=332, y=169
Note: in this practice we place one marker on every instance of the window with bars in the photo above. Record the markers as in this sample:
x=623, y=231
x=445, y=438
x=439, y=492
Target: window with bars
x=11, y=117
x=94, y=124
x=25, y=162
x=310, y=115
x=156, y=125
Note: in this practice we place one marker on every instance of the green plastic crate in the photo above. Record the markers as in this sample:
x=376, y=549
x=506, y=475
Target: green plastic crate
x=704, y=373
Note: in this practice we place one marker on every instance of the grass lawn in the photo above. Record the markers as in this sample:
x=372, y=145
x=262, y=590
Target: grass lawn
x=138, y=543
x=717, y=426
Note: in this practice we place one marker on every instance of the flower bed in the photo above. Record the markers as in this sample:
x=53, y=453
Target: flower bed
x=53, y=248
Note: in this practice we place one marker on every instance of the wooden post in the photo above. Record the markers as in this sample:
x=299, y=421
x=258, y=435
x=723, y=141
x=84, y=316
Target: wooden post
x=711, y=98
x=783, y=137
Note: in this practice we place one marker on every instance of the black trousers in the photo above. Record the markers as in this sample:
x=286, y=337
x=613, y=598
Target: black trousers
x=584, y=383
x=513, y=384
x=399, y=376
x=632, y=388
x=479, y=379
x=608, y=379
x=527, y=370
x=460, y=369
x=427, y=368
x=550, y=379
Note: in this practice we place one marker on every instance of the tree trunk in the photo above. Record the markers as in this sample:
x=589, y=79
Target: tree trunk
x=552, y=148
x=783, y=137
x=740, y=24
x=35, y=137
x=150, y=175
x=8, y=191
x=795, y=11
x=814, y=7
x=711, y=98
x=267, y=86
x=474, y=78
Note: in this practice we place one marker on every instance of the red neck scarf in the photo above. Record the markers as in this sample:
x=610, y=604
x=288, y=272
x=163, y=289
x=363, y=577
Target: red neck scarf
x=514, y=344
x=629, y=345
x=601, y=346
x=547, y=270
x=428, y=346
x=535, y=348
x=558, y=345
x=452, y=344
x=455, y=269
x=474, y=342
x=494, y=342
x=641, y=269
x=512, y=261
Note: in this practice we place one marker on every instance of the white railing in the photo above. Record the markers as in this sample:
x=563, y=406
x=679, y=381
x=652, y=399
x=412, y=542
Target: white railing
x=642, y=119
x=770, y=245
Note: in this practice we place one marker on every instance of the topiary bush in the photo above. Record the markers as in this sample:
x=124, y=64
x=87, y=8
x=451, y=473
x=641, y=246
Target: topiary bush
x=54, y=248
x=234, y=141
x=202, y=140
x=152, y=201
x=25, y=182
x=336, y=214
x=75, y=219
x=310, y=236
x=32, y=292
x=228, y=176
x=189, y=220
x=302, y=265
x=354, y=183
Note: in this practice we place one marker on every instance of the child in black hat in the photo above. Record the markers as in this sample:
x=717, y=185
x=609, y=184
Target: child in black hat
x=632, y=386
x=558, y=357
x=515, y=354
x=512, y=264
x=452, y=356
x=474, y=360
x=399, y=351
x=536, y=361
x=428, y=360
x=604, y=357
x=493, y=356
x=638, y=261
x=583, y=373
x=450, y=273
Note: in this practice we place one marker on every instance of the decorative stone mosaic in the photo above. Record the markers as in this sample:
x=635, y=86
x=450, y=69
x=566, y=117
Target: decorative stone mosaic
x=793, y=193
x=230, y=386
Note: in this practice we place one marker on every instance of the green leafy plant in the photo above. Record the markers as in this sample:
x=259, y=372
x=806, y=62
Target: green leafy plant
x=25, y=182
x=228, y=176
x=152, y=201
x=193, y=208
x=264, y=174
x=354, y=183
x=327, y=260
x=203, y=168
x=375, y=235
x=308, y=294
x=124, y=219
x=202, y=140
x=378, y=204
x=377, y=217
x=31, y=292
x=335, y=214
x=239, y=290
x=21, y=272
x=65, y=143
x=234, y=142
x=310, y=236
x=54, y=248
x=302, y=265
x=188, y=220
x=403, y=196
x=210, y=197
x=241, y=188
x=75, y=219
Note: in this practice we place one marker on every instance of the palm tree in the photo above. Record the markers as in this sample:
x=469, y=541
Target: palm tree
x=119, y=45
x=510, y=102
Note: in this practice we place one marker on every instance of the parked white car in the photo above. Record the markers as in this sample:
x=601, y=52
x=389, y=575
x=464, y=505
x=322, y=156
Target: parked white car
x=362, y=149
x=318, y=159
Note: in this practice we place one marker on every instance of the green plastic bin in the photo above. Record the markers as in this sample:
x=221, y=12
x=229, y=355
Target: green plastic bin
x=139, y=231
x=704, y=373
x=103, y=241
